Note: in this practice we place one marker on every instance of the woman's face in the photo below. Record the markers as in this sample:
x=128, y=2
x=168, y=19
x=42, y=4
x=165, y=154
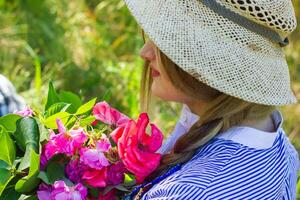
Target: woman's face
x=162, y=86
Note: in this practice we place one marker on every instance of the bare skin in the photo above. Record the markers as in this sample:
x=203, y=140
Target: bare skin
x=162, y=83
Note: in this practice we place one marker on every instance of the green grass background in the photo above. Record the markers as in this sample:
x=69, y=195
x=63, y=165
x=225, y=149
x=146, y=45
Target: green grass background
x=91, y=47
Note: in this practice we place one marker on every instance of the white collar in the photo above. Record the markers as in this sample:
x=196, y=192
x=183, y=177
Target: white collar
x=187, y=118
x=245, y=135
x=252, y=137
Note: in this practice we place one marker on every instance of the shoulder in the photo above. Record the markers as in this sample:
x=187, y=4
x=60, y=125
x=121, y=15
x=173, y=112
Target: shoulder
x=194, y=177
x=224, y=169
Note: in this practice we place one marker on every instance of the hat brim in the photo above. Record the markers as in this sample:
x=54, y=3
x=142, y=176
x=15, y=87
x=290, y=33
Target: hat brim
x=216, y=51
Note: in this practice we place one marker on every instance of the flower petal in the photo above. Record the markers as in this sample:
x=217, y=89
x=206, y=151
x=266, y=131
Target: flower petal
x=117, y=133
x=103, y=112
x=96, y=178
x=60, y=126
x=153, y=143
x=141, y=125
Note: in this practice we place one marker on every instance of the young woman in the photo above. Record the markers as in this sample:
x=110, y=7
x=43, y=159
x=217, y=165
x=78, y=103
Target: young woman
x=224, y=61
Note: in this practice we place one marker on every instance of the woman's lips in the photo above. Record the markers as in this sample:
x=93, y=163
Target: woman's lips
x=154, y=73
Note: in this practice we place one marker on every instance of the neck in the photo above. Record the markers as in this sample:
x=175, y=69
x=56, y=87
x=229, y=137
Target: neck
x=266, y=125
x=197, y=108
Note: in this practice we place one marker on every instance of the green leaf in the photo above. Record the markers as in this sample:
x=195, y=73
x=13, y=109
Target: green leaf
x=7, y=147
x=9, y=122
x=31, y=181
x=17, y=161
x=94, y=192
x=5, y=175
x=25, y=161
x=27, y=138
x=129, y=180
x=52, y=96
x=71, y=121
x=50, y=122
x=43, y=176
x=122, y=188
x=55, y=171
x=44, y=133
x=55, y=168
x=71, y=98
x=87, y=121
x=27, y=134
x=4, y=165
x=86, y=107
x=108, y=189
x=57, y=107
x=24, y=197
x=10, y=194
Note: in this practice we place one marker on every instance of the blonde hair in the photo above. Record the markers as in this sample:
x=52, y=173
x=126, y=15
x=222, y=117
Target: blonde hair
x=222, y=111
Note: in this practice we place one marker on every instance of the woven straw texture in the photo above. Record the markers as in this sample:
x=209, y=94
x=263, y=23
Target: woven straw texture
x=220, y=53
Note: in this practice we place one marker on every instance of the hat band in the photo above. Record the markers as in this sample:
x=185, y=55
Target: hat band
x=245, y=22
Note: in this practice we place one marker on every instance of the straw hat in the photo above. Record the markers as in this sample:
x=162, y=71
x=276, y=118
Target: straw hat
x=234, y=46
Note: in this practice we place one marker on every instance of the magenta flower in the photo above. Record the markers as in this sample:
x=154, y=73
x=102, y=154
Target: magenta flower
x=67, y=142
x=75, y=170
x=103, y=112
x=44, y=192
x=103, y=144
x=49, y=149
x=61, y=191
x=115, y=173
x=95, y=158
x=26, y=112
x=96, y=178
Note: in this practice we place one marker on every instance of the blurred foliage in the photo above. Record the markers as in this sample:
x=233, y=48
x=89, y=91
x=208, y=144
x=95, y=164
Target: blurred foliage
x=91, y=47
x=88, y=47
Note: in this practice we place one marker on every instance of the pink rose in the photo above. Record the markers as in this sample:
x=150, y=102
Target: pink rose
x=137, y=149
x=103, y=112
x=96, y=178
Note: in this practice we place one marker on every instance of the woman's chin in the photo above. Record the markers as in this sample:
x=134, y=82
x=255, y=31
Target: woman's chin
x=157, y=91
x=160, y=93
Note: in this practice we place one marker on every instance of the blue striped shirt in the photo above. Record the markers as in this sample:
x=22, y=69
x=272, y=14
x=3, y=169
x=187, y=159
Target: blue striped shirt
x=226, y=169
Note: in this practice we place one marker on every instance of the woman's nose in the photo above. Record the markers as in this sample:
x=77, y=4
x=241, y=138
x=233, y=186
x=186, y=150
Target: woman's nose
x=147, y=52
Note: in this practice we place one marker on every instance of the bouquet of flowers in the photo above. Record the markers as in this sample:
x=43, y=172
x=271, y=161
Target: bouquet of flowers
x=75, y=151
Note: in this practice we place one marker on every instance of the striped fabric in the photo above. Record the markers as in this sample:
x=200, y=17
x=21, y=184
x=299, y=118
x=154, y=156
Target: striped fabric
x=225, y=169
x=10, y=101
